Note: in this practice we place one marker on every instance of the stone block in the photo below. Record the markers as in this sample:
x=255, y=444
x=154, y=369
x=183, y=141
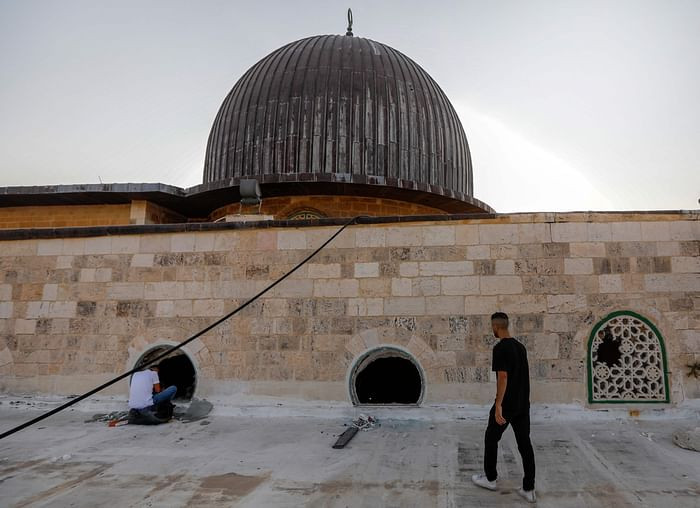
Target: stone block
x=370, y=237
x=504, y=251
x=103, y=275
x=182, y=242
x=125, y=244
x=655, y=231
x=587, y=250
x=450, y=343
x=18, y=248
x=50, y=292
x=366, y=270
x=213, y=308
x=438, y=235
x=161, y=291
x=34, y=309
x=501, y=285
x=408, y=269
x=599, y=232
x=404, y=236
x=478, y=252
x=64, y=262
x=558, y=323
x=316, y=237
x=98, y=245
x=444, y=305
x=336, y=288
x=323, y=271
x=578, y=266
x=466, y=234
x=505, y=267
x=546, y=346
x=690, y=340
x=291, y=240
x=498, y=233
x=165, y=308
x=294, y=289
x=668, y=248
x=128, y=291
x=142, y=260
x=365, y=307
x=672, y=282
x=425, y=286
x=626, y=231
x=182, y=308
x=685, y=264
x=520, y=304
x=567, y=232
x=87, y=274
x=401, y=287
x=195, y=289
x=5, y=291
x=267, y=240
x=446, y=268
x=374, y=287
x=610, y=283
x=559, y=304
x=684, y=230
x=534, y=233
x=204, y=241
x=62, y=309
x=227, y=241
x=73, y=246
x=25, y=326
x=404, y=306
x=480, y=304
x=468, y=285
x=53, y=247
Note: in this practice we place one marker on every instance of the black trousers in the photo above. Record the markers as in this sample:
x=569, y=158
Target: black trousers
x=521, y=428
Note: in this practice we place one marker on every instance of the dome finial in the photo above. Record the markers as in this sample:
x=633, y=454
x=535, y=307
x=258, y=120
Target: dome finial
x=349, y=32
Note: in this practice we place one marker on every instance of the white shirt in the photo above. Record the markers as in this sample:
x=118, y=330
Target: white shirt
x=141, y=390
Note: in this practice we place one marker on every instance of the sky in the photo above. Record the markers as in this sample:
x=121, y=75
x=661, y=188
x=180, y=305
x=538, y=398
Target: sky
x=567, y=105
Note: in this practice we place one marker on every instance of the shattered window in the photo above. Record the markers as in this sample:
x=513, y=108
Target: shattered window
x=627, y=362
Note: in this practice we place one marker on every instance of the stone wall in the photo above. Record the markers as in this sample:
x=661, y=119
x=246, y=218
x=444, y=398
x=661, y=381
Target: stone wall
x=330, y=206
x=76, y=311
x=62, y=216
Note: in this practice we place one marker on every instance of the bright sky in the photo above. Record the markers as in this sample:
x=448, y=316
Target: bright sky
x=567, y=105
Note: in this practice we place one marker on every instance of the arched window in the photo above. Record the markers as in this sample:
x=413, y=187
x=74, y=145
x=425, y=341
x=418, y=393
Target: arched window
x=305, y=214
x=626, y=361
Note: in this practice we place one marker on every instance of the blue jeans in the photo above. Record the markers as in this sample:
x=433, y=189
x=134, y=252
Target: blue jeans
x=165, y=395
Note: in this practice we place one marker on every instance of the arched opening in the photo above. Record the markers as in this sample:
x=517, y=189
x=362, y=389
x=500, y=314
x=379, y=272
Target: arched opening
x=176, y=369
x=386, y=376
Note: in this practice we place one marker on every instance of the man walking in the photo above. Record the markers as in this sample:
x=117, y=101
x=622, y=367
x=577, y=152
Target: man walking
x=512, y=407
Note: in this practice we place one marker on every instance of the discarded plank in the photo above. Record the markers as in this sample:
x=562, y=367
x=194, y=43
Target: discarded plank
x=345, y=437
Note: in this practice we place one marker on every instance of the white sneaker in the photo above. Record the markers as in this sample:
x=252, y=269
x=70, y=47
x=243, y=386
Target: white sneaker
x=528, y=495
x=482, y=481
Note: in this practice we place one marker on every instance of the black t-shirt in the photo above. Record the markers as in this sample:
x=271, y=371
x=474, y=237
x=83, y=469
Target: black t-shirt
x=510, y=356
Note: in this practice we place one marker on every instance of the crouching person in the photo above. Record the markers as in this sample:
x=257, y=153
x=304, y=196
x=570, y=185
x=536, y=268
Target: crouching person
x=148, y=405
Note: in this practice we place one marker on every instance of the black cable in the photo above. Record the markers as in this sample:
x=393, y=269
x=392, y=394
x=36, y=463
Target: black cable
x=178, y=346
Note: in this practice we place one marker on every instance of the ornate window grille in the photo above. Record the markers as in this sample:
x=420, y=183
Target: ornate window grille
x=626, y=361
x=306, y=214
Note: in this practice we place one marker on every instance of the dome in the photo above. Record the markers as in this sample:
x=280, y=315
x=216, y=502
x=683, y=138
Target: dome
x=337, y=109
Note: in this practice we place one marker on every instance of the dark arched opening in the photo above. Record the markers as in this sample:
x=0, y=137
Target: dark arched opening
x=177, y=369
x=387, y=376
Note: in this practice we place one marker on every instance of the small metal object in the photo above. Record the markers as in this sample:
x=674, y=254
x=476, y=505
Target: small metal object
x=349, y=32
x=250, y=192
